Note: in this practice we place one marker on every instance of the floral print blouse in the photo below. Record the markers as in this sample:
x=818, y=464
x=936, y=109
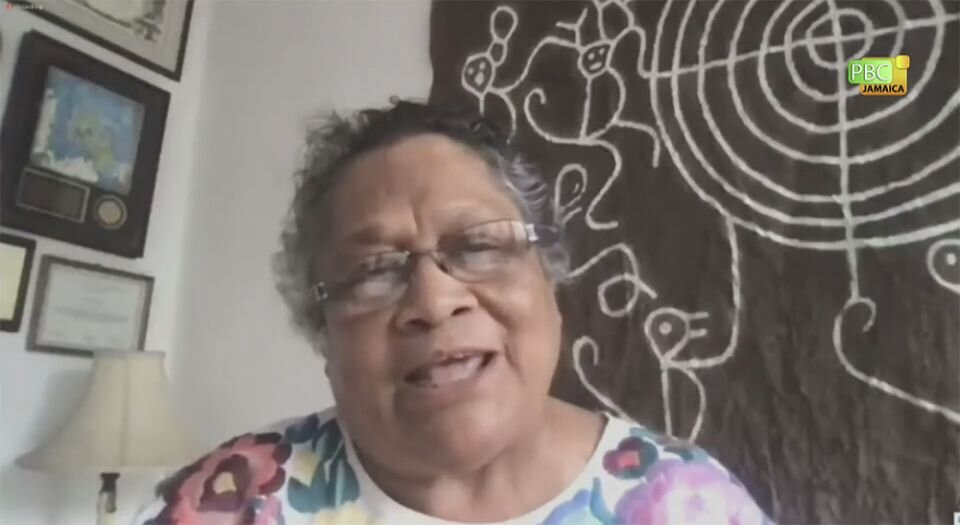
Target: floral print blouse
x=307, y=473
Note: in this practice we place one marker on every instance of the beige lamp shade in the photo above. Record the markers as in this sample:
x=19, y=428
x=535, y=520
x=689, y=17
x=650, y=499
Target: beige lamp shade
x=125, y=423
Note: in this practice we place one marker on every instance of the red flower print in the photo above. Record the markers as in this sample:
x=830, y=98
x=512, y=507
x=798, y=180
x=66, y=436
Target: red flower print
x=230, y=486
x=631, y=458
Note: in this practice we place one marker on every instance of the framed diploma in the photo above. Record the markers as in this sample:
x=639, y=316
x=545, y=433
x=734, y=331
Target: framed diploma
x=79, y=149
x=82, y=308
x=153, y=34
x=16, y=261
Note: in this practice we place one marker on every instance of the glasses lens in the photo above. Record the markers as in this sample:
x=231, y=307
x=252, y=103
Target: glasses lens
x=485, y=251
x=371, y=280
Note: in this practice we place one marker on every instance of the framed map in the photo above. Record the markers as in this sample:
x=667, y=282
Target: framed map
x=80, y=148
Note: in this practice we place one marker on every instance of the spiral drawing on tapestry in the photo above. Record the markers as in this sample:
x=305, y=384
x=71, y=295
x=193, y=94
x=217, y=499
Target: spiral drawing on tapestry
x=681, y=74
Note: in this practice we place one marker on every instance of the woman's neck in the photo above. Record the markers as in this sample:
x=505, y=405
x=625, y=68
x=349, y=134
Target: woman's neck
x=527, y=474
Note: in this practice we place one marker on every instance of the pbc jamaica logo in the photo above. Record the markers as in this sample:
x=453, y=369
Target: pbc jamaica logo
x=880, y=77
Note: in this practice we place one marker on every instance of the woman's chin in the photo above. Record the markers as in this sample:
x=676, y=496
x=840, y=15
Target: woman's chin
x=465, y=437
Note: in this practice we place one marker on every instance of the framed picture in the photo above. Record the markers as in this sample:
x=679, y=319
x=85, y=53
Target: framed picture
x=16, y=261
x=82, y=308
x=152, y=33
x=79, y=149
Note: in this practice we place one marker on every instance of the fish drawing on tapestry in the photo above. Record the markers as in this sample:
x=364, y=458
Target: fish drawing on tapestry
x=87, y=132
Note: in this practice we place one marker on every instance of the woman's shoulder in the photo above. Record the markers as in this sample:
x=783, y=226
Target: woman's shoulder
x=300, y=463
x=657, y=478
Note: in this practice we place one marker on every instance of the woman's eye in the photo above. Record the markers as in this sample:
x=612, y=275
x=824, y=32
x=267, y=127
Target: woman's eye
x=372, y=268
x=372, y=278
x=374, y=285
x=376, y=269
x=366, y=267
x=476, y=242
x=478, y=246
x=481, y=257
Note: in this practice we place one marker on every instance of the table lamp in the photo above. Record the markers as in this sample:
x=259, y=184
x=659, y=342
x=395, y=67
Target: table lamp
x=125, y=423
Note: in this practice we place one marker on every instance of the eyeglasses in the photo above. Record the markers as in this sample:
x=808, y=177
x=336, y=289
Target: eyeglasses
x=484, y=252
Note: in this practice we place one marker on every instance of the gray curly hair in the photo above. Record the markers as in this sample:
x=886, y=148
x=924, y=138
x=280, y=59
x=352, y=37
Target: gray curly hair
x=332, y=142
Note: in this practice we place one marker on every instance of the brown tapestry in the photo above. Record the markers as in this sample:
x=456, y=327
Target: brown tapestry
x=766, y=261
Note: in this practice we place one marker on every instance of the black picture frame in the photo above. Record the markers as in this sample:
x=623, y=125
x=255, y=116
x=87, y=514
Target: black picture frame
x=58, y=12
x=38, y=198
x=30, y=247
x=42, y=300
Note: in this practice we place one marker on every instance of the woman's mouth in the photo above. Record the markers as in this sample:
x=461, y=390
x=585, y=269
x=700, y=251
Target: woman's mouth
x=454, y=368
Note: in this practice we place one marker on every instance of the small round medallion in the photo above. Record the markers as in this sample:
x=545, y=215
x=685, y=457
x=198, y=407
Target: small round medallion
x=110, y=212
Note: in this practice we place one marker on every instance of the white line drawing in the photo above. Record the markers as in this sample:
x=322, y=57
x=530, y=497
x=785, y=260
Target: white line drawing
x=480, y=71
x=631, y=277
x=669, y=330
x=700, y=147
x=578, y=345
x=567, y=209
x=668, y=322
x=848, y=239
x=944, y=256
x=951, y=415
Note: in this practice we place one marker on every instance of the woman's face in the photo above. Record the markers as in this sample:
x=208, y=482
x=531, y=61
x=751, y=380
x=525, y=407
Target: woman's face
x=449, y=373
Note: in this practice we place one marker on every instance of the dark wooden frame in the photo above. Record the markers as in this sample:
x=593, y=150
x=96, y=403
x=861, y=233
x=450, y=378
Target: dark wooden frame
x=30, y=245
x=173, y=74
x=38, y=53
x=40, y=299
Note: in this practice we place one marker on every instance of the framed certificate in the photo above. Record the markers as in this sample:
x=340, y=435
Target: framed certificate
x=82, y=308
x=16, y=261
x=153, y=34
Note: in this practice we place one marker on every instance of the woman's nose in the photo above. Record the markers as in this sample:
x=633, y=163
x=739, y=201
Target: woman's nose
x=431, y=297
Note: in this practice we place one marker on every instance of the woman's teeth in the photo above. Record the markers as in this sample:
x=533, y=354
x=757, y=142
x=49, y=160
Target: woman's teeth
x=448, y=371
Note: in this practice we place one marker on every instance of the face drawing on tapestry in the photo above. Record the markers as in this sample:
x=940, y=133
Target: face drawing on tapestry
x=461, y=353
x=87, y=132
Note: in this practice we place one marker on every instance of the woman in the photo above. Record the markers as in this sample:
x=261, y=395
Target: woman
x=421, y=257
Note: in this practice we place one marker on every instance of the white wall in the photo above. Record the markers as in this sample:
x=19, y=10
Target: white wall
x=37, y=390
x=270, y=65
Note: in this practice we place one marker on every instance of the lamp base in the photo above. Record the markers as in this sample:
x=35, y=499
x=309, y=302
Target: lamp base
x=107, y=502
